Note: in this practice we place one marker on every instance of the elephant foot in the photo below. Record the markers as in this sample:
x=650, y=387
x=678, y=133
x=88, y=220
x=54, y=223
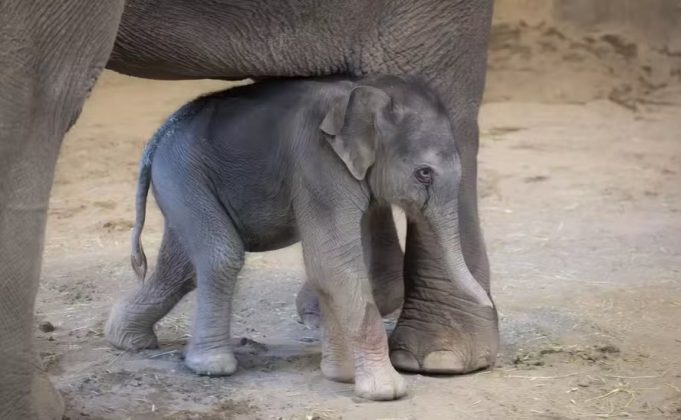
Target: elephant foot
x=307, y=306
x=338, y=370
x=128, y=328
x=215, y=362
x=382, y=384
x=445, y=346
x=311, y=320
x=47, y=402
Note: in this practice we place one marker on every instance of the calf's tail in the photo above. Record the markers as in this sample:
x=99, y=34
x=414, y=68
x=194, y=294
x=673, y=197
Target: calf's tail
x=138, y=259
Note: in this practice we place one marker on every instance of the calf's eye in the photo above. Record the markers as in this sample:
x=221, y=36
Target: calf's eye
x=424, y=175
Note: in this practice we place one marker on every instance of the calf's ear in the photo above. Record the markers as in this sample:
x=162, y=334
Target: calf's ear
x=351, y=127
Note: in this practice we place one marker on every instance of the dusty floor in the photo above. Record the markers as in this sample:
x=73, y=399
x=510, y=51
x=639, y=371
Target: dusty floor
x=581, y=205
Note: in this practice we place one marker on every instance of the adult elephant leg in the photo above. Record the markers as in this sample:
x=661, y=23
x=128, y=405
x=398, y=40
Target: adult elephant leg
x=384, y=260
x=50, y=56
x=438, y=330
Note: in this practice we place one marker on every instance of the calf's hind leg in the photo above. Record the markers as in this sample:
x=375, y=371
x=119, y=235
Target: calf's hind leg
x=218, y=255
x=131, y=322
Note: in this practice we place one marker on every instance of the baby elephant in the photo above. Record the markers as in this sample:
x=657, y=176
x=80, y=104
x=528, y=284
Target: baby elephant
x=259, y=167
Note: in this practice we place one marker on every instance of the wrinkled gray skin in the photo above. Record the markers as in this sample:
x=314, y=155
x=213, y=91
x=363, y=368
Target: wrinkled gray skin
x=48, y=66
x=260, y=167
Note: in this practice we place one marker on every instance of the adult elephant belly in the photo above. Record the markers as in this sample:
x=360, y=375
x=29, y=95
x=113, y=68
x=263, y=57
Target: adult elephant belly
x=440, y=329
x=185, y=39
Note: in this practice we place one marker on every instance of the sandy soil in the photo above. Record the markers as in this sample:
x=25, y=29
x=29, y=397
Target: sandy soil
x=581, y=205
x=541, y=62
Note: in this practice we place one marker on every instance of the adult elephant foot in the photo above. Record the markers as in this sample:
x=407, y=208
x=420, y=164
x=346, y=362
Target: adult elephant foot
x=25, y=388
x=452, y=340
x=47, y=402
x=448, y=322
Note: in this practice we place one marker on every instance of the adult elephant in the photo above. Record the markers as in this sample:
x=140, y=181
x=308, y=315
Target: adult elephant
x=51, y=53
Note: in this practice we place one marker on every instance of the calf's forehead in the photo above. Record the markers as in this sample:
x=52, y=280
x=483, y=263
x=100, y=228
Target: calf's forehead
x=426, y=130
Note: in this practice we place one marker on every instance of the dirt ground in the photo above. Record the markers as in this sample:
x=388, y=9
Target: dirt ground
x=581, y=207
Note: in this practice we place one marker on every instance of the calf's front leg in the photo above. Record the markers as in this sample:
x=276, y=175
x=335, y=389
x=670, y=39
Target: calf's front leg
x=354, y=341
x=384, y=259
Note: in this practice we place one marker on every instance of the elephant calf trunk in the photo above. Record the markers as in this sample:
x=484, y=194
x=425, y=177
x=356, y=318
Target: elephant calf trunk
x=447, y=235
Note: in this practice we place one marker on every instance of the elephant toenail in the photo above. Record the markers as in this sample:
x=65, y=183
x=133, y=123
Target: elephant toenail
x=443, y=362
x=404, y=360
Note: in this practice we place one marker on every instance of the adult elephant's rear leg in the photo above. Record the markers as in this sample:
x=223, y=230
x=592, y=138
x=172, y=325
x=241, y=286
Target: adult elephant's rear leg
x=131, y=323
x=51, y=53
